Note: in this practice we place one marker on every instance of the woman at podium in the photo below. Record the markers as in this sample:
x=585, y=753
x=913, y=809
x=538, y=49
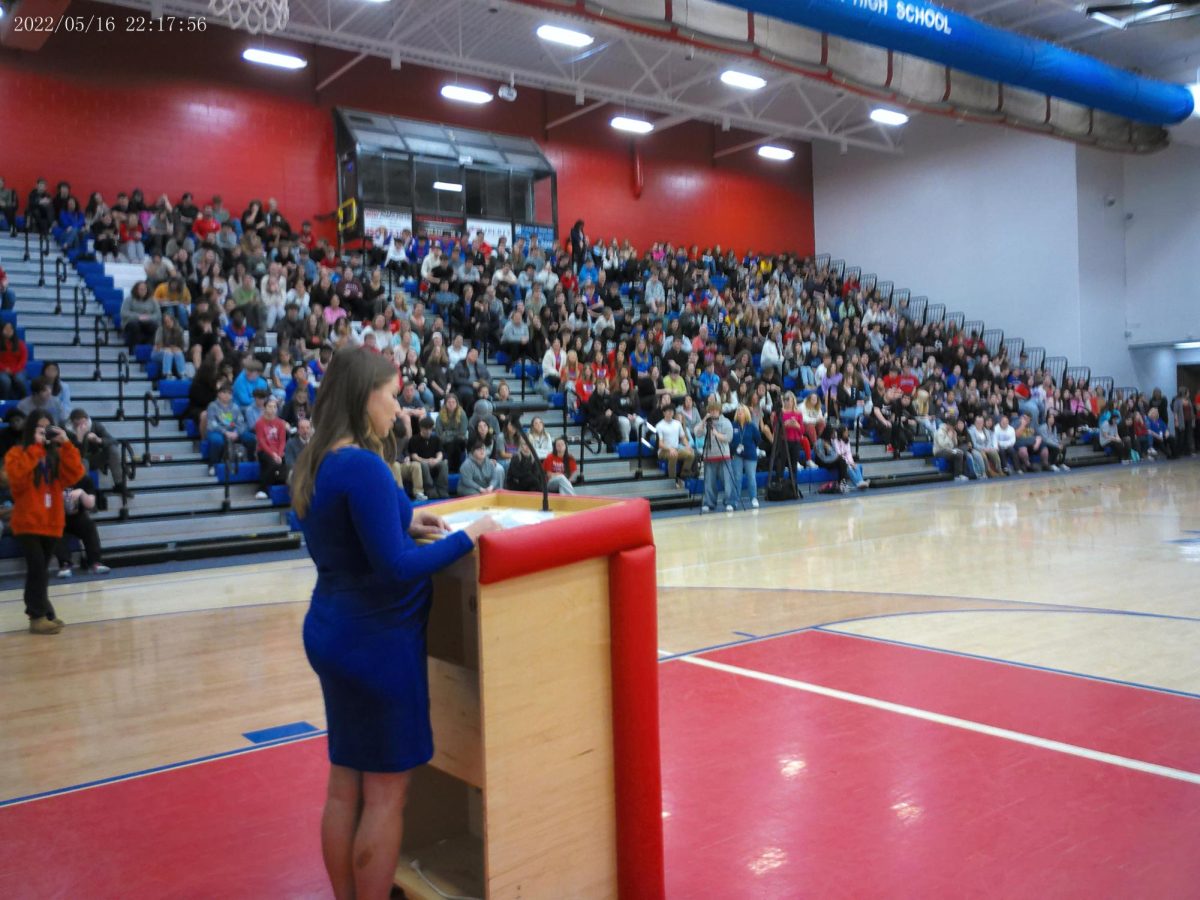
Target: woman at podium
x=365, y=628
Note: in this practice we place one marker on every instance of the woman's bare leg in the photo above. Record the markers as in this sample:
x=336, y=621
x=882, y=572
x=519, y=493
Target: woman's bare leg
x=380, y=827
x=343, y=805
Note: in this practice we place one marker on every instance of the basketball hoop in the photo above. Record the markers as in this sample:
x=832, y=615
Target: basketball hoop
x=254, y=16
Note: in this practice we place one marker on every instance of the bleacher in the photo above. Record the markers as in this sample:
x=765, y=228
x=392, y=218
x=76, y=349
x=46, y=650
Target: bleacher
x=69, y=311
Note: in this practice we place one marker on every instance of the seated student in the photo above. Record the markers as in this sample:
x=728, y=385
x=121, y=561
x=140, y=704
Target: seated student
x=848, y=470
x=1052, y=441
x=561, y=468
x=1110, y=436
x=479, y=474
x=247, y=382
x=237, y=337
x=140, y=316
x=270, y=433
x=404, y=469
x=41, y=398
x=945, y=446
x=77, y=505
x=976, y=464
x=169, y=343
x=524, y=471
x=674, y=445
x=1006, y=446
x=602, y=416
x=983, y=439
x=296, y=443
x=99, y=450
x=1030, y=446
x=226, y=423
x=425, y=449
x=1161, y=440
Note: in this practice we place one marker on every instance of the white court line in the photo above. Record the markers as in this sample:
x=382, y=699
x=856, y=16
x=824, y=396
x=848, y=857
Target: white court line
x=953, y=721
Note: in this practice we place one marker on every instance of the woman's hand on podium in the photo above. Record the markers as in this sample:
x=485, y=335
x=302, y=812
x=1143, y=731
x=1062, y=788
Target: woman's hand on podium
x=482, y=526
x=428, y=525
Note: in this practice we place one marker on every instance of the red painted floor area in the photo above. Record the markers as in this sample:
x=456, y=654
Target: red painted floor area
x=776, y=793
x=770, y=792
x=243, y=826
x=1151, y=726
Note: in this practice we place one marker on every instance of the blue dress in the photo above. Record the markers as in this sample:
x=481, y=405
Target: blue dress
x=365, y=629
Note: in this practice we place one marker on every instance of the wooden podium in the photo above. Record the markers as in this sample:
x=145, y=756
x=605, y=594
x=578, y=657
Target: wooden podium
x=543, y=682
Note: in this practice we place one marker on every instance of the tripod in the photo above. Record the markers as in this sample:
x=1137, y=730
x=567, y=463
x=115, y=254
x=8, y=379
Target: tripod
x=725, y=471
x=779, y=486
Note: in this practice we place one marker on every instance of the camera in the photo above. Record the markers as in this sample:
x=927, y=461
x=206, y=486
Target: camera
x=506, y=92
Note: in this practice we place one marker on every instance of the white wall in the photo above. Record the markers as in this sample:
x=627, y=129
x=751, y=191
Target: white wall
x=983, y=219
x=1073, y=249
x=1162, y=247
x=1100, y=184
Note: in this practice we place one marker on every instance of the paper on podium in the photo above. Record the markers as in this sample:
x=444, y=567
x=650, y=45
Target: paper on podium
x=505, y=518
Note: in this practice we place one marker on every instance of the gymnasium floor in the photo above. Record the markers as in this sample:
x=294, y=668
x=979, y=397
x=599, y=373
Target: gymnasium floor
x=991, y=689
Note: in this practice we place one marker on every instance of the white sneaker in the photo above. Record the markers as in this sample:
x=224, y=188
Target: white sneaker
x=705, y=509
x=754, y=503
x=960, y=478
x=1054, y=468
x=1064, y=467
x=212, y=470
x=810, y=465
x=261, y=495
x=864, y=484
x=100, y=569
x=66, y=572
x=419, y=496
x=728, y=508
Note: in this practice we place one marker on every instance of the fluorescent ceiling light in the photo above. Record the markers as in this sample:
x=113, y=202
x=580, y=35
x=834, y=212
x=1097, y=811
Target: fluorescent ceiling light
x=1195, y=89
x=279, y=60
x=1188, y=345
x=465, y=94
x=734, y=78
x=1106, y=19
x=557, y=35
x=447, y=186
x=888, y=116
x=768, y=151
x=637, y=126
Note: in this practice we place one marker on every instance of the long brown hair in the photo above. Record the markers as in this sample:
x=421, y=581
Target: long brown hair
x=340, y=413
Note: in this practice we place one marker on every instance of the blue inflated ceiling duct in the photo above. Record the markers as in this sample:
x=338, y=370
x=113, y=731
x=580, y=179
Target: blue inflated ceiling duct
x=955, y=40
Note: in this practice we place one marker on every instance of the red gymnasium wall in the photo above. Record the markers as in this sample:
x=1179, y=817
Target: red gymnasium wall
x=176, y=112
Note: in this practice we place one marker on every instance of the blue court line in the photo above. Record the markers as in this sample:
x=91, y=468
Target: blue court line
x=745, y=634
x=1012, y=662
x=268, y=735
x=165, y=768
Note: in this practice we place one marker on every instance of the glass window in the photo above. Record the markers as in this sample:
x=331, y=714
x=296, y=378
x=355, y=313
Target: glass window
x=487, y=194
x=431, y=200
x=397, y=178
x=370, y=178
x=522, y=197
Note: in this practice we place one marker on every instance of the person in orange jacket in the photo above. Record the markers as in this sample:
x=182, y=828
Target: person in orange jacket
x=40, y=468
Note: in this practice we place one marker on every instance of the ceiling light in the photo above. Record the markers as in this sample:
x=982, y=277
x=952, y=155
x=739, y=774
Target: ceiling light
x=1195, y=89
x=1188, y=345
x=447, y=186
x=888, y=116
x=465, y=94
x=637, y=126
x=557, y=35
x=769, y=151
x=279, y=60
x=1106, y=19
x=746, y=82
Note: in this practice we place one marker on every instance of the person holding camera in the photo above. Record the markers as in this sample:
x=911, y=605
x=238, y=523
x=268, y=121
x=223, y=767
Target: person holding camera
x=40, y=468
x=715, y=433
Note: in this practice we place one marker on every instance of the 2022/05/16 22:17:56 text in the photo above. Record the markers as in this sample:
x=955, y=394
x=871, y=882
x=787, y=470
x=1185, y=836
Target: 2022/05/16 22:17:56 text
x=102, y=24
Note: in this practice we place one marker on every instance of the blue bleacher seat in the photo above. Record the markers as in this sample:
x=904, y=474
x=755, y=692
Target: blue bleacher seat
x=153, y=370
x=178, y=405
x=942, y=465
x=142, y=352
x=921, y=448
x=293, y=521
x=280, y=494
x=501, y=358
x=189, y=428
x=33, y=368
x=453, y=481
x=8, y=315
x=557, y=400
x=789, y=383
x=246, y=472
x=175, y=389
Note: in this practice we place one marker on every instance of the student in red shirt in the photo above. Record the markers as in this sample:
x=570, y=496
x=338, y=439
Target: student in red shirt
x=271, y=434
x=561, y=468
x=14, y=356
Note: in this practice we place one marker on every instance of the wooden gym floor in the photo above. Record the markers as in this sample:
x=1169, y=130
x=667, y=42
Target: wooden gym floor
x=991, y=688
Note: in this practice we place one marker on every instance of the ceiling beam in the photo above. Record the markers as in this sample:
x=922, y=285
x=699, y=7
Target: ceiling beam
x=575, y=114
x=330, y=79
x=746, y=145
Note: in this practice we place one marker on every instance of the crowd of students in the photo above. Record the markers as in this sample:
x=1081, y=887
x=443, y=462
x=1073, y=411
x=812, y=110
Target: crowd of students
x=769, y=348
